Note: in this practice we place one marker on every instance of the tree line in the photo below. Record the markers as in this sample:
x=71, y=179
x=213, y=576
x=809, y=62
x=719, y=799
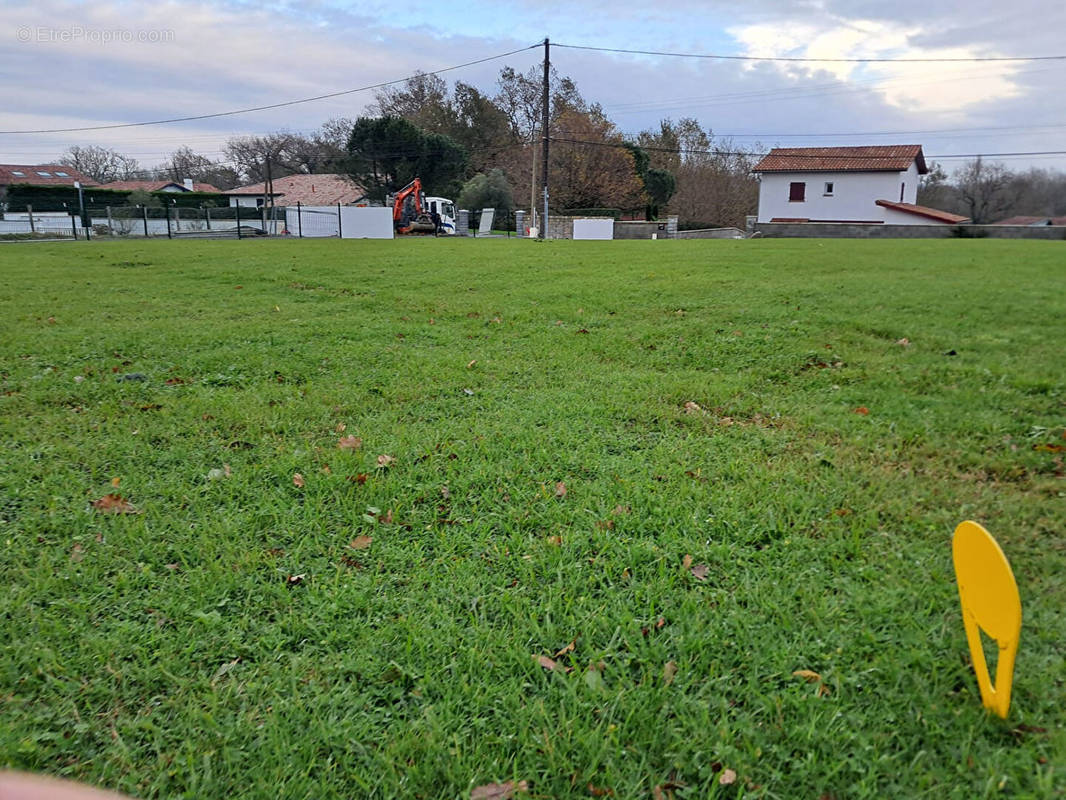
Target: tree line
x=485, y=150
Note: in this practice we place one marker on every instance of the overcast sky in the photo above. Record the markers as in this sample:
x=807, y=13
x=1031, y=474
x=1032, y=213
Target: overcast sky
x=70, y=64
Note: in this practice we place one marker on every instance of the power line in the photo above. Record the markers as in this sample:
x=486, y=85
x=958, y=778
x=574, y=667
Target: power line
x=717, y=56
x=820, y=157
x=272, y=105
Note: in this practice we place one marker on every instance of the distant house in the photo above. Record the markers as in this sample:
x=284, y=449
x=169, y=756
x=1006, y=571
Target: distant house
x=40, y=175
x=1032, y=222
x=187, y=185
x=308, y=190
x=873, y=184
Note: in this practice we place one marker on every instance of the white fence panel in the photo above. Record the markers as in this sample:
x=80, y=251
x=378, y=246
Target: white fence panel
x=593, y=228
x=371, y=222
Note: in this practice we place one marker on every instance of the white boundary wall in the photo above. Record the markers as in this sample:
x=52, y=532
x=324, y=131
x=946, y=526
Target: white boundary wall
x=366, y=222
x=593, y=228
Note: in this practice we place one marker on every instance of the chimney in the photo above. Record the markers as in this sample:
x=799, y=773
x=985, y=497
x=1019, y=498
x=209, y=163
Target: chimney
x=188, y=183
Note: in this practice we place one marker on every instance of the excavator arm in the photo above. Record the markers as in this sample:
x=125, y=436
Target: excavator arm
x=409, y=214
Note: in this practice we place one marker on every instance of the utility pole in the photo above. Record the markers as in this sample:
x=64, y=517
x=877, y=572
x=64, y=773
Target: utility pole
x=544, y=132
x=268, y=200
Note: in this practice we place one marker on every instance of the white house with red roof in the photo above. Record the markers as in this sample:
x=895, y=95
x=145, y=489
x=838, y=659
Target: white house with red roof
x=874, y=184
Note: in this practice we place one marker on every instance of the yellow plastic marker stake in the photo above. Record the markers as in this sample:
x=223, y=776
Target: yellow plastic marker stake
x=990, y=602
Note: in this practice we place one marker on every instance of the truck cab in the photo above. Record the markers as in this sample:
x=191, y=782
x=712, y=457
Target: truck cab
x=446, y=209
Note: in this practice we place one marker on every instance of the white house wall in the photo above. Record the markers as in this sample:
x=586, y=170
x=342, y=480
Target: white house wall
x=853, y=198
x=894, y=217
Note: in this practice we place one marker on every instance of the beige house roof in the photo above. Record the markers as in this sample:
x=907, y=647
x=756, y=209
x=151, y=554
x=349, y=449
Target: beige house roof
x=308, y=190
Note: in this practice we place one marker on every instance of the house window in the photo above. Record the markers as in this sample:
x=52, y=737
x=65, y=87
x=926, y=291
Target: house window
x=18, y=172
x=902, y=186
x=797, y=192
x=62, y=175
x=828, y=191
x=44, y=174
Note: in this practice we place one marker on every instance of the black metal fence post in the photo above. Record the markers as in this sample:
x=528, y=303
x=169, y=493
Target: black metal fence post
x=167, y=210
x=73, y=226
x=237, y=211
x=300, y=219
x=340, y=233
x=144, y=215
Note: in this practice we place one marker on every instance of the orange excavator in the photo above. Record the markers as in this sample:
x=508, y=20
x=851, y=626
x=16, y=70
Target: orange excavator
x=409, y=211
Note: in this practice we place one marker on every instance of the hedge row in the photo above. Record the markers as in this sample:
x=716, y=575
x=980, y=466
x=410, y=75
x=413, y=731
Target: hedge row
x=59, y=198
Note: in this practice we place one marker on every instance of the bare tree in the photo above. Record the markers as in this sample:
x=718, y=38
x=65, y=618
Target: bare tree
x=985, y=190
x=288, y=153
x=102, y=164
x=185, y=163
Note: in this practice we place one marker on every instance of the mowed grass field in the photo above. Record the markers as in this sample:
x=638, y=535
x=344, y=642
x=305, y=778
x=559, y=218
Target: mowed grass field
x=603, y=500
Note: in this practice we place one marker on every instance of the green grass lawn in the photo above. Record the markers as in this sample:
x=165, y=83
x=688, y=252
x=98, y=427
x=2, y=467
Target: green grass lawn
x=649, y=457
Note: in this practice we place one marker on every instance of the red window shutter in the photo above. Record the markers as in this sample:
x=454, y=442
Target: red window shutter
x=797, y=192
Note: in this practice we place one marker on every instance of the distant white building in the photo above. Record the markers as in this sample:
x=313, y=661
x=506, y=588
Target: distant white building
x=873, y=184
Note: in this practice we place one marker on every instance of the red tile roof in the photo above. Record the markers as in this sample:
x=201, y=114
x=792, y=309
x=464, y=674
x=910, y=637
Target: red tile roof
x=309, y=190
x=1032, y=221
x=867, y=158
x=158, y=186
x=29, y=174
x=924, y=211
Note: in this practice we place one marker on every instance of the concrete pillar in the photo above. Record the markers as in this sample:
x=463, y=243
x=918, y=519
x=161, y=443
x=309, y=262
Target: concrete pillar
x=671, y=227
x=462, y=223
x=520, y=223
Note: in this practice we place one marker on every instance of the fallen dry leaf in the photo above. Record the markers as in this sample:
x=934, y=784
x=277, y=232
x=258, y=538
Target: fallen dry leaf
x=445, y=492
x=298, y=480
x=384, y=460
x=692, y=408
x=560, y=489
x=555, y=540
x=326, y=469
x=498, y=791
x=813, y=677
x=669, y=671
x=78, y=553
x=904, y=342
x=361, y=542
x=349, y=443
x=621, y=510
x=598, y=791
x=862, y=410
x=568, y=649
x=659, y=623
x=295, y=580
x=115, y=482
x=700, y=571
x=358, y=479
x=114, y=504
x=471, y=364
x=686, y=562
x=386, y=518
x=727, y=777
x=1050, y=448
x=341, y=427
x=545, y=662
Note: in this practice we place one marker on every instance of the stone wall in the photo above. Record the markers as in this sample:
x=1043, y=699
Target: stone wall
x=560, y=227
x=844, y=230
x=712, y=233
